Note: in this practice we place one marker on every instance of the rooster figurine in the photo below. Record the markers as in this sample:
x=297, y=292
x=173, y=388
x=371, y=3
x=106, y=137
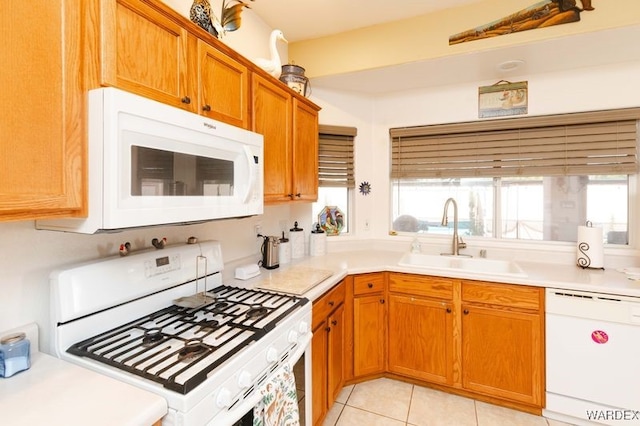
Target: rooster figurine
x=273, y=66
x=231, y=16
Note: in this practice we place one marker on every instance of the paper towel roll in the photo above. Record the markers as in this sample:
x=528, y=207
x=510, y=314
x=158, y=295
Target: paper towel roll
x=590, y=253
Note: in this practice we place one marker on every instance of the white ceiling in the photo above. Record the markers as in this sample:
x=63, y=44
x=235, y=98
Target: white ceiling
x=304, y=19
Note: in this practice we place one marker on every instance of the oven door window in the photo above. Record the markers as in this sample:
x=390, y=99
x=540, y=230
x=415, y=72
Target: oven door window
x=157, y=172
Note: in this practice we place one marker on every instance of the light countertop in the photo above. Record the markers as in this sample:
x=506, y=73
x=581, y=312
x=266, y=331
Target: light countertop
x=54, y=392
x=569, y=277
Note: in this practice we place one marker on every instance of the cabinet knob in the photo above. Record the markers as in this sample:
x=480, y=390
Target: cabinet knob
x=370, y=285
x=328, y=329
x=298, y=195
x=186, y=100
x=466, y=312
x=334, y=322
x=448, y=310
x=206, y=108
x=382, y=301
x=290, y=196
x=331, y=303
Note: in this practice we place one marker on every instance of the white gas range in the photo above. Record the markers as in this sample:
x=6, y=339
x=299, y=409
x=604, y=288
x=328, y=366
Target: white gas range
x=146, y=319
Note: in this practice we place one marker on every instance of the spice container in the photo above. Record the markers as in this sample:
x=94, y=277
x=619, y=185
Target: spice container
x=14, y=354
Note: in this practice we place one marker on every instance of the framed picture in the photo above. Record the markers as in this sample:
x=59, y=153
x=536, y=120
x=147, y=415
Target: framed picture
x=502, y=99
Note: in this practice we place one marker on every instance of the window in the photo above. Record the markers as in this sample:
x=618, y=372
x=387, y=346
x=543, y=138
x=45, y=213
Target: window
x=534, y=178
x=335, y=178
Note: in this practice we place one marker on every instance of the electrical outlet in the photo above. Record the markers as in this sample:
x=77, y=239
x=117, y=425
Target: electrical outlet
x=257, y=229
x=366, y=224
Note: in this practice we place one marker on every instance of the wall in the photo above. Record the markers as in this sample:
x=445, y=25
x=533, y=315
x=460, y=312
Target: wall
x=571, y=91
x=27, y=255
x=426, y=37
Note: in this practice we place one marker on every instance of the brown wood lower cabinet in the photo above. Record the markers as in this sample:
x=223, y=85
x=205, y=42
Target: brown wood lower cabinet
x=327, y=351
x=369, y=324
x=479, y=339
x=502, y=341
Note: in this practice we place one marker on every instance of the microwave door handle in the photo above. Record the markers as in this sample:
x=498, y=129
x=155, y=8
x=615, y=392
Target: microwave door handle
x=252, y=173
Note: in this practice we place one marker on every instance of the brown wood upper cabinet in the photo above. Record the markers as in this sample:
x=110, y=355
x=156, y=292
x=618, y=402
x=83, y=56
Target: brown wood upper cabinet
x=223, y=87
x=290, y=129
x=42, y=136
x=145, y=52
x=150, y=50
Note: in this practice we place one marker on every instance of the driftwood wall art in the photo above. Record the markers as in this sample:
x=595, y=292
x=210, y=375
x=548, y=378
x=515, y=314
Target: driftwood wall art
x=539, y=15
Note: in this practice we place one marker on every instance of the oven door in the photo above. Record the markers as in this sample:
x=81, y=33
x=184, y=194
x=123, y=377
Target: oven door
x=302, y=373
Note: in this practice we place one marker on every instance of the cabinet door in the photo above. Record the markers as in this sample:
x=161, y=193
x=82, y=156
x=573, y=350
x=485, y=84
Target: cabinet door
x=305, y=152
x=421, y=338
x=368, y=334
x=335, y=351
x=145, y=52
x=502, y=353
x=272, y=114
x=319, y=373
x=42, y=129
x=223, y=87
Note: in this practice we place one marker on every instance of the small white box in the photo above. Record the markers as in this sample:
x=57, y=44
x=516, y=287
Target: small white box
x=246, y=272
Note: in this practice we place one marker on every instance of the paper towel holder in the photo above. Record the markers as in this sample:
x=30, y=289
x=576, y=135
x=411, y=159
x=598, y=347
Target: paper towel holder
x=583, y=259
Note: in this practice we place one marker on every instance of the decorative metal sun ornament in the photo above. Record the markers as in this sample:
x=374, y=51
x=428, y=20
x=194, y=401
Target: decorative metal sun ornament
x=365, y=188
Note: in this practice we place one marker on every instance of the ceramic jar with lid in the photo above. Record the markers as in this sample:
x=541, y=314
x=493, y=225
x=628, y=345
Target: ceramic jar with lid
x=318, y=242
x=14, y=354
x=296, y=236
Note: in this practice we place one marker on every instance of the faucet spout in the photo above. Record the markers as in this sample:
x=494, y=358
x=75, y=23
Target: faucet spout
x=457, y=242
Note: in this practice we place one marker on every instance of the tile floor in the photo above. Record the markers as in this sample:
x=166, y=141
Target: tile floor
x=386, y=402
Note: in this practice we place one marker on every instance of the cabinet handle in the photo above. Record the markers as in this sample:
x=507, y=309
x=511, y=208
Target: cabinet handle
x=370, y=285
x=334, y=322
x=206, y=108
x=466, y=312
x=331, y=303
x=328, y=329
x=298, y=195
x=290, y=196
x=382, y=301
x=448, y=310
x=186, y=100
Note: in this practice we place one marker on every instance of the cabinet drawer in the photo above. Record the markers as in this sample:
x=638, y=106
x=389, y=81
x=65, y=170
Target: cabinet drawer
x=509, y=295
x=368, y=284
x=420, y=285
x=327, y=303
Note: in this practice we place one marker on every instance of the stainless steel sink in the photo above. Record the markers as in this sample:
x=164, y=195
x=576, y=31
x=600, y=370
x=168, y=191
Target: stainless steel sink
x=462, y=264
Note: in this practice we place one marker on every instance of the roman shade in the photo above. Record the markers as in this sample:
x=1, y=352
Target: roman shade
x=590, y=143
x=335, y=156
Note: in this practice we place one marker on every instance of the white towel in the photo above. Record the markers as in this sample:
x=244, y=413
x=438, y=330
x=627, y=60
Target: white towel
x=279, y=403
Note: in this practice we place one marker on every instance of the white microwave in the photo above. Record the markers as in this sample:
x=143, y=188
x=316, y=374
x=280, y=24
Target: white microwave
x=154, y=164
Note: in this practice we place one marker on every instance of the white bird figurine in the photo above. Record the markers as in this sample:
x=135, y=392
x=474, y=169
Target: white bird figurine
x=273, y=66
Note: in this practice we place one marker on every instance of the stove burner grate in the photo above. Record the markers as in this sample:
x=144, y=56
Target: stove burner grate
x=249, y=313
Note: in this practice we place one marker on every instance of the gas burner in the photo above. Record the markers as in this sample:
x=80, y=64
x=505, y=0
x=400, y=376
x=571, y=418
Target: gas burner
x=220, y=303
x=256, y=311
x=190, y=316
x=152, y=335
x=192, y=349
x=208, y=324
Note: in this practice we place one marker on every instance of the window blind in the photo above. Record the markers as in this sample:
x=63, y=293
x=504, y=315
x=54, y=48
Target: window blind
x=600, y=142
x=335, y=156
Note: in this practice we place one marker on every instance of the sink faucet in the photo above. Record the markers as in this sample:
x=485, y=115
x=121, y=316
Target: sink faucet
x=457, y=242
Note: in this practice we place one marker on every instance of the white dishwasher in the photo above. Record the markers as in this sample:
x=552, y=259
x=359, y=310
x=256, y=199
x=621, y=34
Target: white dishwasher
x=592, y=358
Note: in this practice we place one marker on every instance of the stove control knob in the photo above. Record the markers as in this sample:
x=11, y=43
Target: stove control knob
x=293, y=336
x=272, y=354
x=303, y=327
x=244, y=379
x=224, y=398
